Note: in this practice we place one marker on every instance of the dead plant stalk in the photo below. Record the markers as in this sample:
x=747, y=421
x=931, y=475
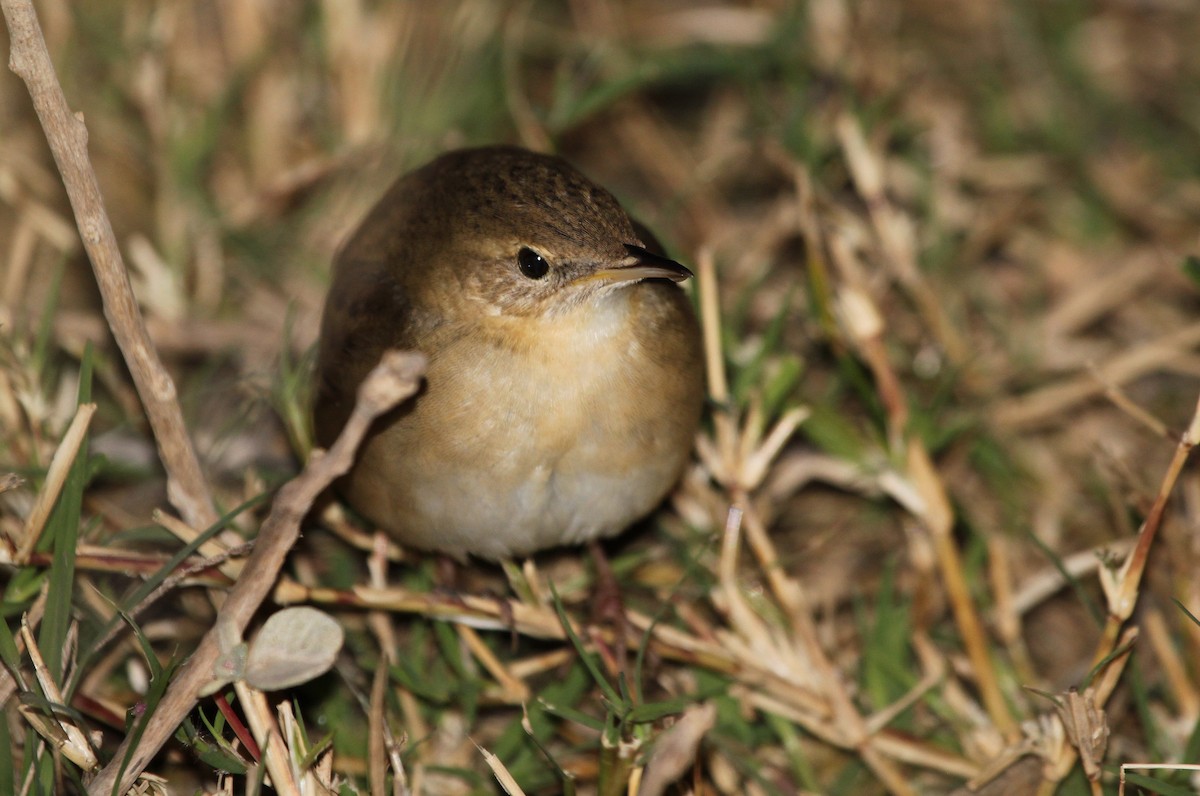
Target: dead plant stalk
x=393, y=380
x=1121, y=590
x=67, y=136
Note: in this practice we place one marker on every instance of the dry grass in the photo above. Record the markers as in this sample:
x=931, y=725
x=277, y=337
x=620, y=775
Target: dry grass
x=953, y=349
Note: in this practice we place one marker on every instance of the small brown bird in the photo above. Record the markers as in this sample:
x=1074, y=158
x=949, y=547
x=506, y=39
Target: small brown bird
x=565, y=374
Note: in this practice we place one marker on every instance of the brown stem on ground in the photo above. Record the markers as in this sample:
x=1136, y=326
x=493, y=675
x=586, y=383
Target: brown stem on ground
x=67, y=136
x=1122, y=587
x=393, y=380
x=1122, y=595
x=266, y=734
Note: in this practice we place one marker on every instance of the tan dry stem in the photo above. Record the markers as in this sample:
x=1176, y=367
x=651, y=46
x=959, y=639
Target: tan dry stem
x=67, y=136
x=56, y=476
x=72, y=742
x=1122, y=590
x=266, y=735
x=396, y=378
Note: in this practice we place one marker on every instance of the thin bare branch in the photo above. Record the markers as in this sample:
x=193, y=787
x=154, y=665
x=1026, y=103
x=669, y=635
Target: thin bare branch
x=67, y=136
x=396, y=378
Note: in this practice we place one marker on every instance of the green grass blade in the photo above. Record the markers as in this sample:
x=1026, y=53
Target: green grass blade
x=589, y=660
x=158, y=687
x=8, y=648
x=1189, y=614
x=154, y=581
x=45, y=331
x=8, y=771
x=62, y=533
x=571, y=714
x=1158, y=786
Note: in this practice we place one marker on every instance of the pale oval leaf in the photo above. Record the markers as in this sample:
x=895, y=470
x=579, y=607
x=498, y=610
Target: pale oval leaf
x=294, y=646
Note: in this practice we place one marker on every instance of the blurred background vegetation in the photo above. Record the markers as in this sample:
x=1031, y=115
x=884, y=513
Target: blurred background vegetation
x=1014, y=188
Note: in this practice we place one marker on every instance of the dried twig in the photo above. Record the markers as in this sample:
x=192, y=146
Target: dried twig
x=60, y=731
x=393, y=380
x=1122, y=588
x=266, y=734
x=56, y=476
x=67, y=136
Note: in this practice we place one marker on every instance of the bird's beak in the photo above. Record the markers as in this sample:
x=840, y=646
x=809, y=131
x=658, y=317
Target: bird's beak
x=640, y=264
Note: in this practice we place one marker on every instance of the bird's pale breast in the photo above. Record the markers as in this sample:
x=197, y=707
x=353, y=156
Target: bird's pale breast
x=552, y=432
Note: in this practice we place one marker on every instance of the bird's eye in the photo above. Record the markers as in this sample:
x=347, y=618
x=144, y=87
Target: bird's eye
x=532, y=264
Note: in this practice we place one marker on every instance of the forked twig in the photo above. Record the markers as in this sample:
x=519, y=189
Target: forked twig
x=396, y=378
x=1122, y=587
